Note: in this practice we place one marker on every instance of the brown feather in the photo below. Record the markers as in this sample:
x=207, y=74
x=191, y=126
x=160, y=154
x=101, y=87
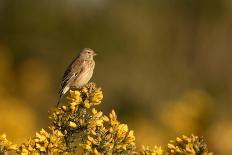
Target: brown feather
x=79, y=72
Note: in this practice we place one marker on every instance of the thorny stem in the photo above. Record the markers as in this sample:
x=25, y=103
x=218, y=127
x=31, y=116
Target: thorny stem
x=70, y=137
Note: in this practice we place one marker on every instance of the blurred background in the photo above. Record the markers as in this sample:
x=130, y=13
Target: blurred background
x=163, y=65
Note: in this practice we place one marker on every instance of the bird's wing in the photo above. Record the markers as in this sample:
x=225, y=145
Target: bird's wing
x=73, y=70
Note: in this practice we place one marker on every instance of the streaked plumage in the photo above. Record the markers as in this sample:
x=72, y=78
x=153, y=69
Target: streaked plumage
x=79, y=72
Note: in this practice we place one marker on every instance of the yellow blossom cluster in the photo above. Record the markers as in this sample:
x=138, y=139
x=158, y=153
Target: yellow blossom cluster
x=191, y=145
x=5, y=145
x=86, y=96
x=107, y=136
x=44, y=142
x=74, y=115
x=155, y=151
x=99, y=133
x=78, y=128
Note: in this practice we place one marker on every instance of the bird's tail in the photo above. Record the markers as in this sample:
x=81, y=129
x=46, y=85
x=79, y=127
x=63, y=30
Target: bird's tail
x=57, y=105
x=62, y=92
x=60, y=98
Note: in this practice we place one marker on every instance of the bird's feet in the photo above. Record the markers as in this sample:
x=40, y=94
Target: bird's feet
x=91, y=84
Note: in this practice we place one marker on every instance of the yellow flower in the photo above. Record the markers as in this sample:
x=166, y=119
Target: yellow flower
x=40, y=147
x=99, y=114
x=94, y=111
x=155, y=151
x=59, y=133
x=64, y=108
x=75, y=96
x=124, y=146
x=178, y=139
x=97, y=97
x=158, y=150
x=24, y=151
x=3, y=137
x=92, y=140
x=84, y=90
x=72, y=124
x=105, y=118
x=45, y=133
x=113, y=115
x=122, y=129
x=130, y=137
x=171, y=146
x=12, y=147
x=131, y=134
x=95, y=151
x=99, y=122
x=73, y=104
x=87, y=104
x=52, y=140
x=86, y=146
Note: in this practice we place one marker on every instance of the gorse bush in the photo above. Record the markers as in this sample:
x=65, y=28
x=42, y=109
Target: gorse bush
x=78, y=128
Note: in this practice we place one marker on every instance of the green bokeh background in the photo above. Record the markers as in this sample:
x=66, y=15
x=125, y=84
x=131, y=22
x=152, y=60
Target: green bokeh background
x=163, y=65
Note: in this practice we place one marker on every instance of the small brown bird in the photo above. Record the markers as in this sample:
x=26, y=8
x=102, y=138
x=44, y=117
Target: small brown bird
x=79, y=72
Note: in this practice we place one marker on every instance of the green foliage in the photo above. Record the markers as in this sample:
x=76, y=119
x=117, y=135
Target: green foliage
x=78, y=128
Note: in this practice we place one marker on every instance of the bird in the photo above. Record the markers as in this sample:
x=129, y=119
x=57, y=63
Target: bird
x=79, y=72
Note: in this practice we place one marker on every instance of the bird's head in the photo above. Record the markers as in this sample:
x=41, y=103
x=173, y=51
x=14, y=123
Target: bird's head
x=87, y=54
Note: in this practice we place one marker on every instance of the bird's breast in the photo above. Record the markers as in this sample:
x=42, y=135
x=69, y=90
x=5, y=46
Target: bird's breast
x=85, y=75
